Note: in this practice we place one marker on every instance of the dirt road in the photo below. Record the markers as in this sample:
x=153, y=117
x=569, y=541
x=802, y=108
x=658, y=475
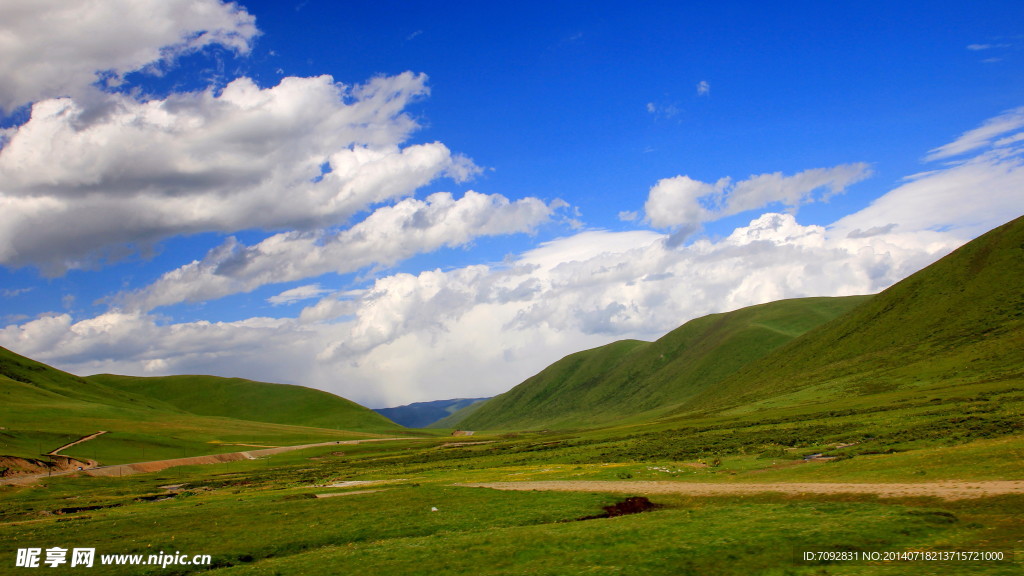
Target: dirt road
x=157, y=465
x=948, y=490
x=75, y=443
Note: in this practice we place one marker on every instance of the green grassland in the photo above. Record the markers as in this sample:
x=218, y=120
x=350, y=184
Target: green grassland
x=261, y=517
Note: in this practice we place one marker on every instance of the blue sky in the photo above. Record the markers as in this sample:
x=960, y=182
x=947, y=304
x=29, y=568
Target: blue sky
x=401, y=201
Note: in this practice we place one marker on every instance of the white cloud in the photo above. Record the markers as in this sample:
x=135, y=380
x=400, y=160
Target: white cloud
x=481, y=329
x=664, y=111
x=979, y=47
x=686, y=203
x=388, y=235
x=77, y=184
x=703, y=88
x=981, y=136
x=52, y=48
x=298, y=294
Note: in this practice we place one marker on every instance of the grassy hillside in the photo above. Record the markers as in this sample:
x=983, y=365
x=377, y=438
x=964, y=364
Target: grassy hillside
x=250, y=400
x=957, y=322
x=632, y=379
x=42, y=408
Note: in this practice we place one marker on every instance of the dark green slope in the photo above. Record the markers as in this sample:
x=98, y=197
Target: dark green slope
x=958, y=321
x=250, y=400
x=42, y=408
x=25, y=378
x=630, y=379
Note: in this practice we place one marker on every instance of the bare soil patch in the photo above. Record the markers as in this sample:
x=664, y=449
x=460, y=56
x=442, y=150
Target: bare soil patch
x=349, y=493
x=950, y=490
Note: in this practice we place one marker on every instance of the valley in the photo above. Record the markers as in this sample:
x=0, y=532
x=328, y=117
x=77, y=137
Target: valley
x=886, y=423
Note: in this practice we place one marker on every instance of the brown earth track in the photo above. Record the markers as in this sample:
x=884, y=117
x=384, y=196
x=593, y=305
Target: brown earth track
x=947, y=490
x=76, y=442
x=157, y=465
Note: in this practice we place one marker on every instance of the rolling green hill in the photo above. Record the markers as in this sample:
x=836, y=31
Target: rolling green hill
x=250, y=400
x=632, y=379
x=42, y=408
x=959, y=321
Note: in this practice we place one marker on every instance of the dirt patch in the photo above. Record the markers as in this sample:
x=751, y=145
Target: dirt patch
x=351, y=483
x=631, y=505
x=460, y=444
x=77, y=509
x=950, y=490
x=90, y=467
x=13, y=466
x=350, y=493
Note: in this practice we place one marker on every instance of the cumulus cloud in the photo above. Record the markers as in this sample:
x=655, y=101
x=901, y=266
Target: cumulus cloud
x=483, y=328
x=703, y=88
x=686, y=203
x=54, y=48
x=389, y=235
x=306, y=153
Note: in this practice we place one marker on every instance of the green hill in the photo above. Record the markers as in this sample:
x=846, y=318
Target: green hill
x=631, y=379
x=42, y=408
x=250, y=400
x=957, y=322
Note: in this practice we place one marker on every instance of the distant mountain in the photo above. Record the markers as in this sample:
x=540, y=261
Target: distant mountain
x=631, y=379
x=424, y=414
x=453, y=419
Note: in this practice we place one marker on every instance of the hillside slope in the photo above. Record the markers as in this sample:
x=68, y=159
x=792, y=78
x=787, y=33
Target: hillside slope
x=958, y=321
x=630, y=378
x=42, y=408
x=250, y=400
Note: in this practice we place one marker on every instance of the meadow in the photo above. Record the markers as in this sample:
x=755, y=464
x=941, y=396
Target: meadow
x=264, y=516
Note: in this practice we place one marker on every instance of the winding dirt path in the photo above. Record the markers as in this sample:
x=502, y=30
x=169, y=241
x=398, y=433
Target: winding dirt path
x=948, y=490
x=157, y=465
x=79, y=441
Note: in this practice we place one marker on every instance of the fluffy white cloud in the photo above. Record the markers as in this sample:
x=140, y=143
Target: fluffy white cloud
x=52, y=48
x=481, y=329
x=686, y=203
x=390, y=234
x=308, y=152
